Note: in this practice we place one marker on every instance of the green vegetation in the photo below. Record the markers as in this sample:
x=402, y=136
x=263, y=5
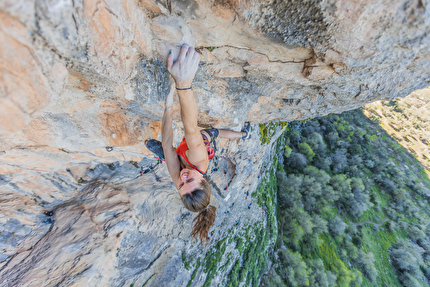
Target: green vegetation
x=212, y=259
x=249, y=261
x=252, y=245
x=345, y=204
x=266, y=198
x=185, y=262
x=350, y=200
x=146, y=282
x=194, y=272
x=267, y=131
x=255, y=258
x=408, y=121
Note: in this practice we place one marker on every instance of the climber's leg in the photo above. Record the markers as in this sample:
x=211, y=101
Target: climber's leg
x=243, y=134
x=156, y=147
x=230, y=134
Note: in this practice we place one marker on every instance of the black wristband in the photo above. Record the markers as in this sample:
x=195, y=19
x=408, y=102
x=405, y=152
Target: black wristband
x=183, y=89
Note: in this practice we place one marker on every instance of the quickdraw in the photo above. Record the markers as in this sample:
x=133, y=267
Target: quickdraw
x=150, y=168
x=142, y=169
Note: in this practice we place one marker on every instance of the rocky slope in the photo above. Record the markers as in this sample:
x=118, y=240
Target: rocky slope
x=121, y=227
x=80, y=76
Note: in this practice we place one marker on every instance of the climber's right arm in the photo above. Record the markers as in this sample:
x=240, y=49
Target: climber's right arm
x=183, y=71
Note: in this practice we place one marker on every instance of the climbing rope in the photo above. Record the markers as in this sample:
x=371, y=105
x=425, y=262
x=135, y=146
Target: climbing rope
x=109, y=149
x=143, y=170
x=215, y=160
x=232, y=156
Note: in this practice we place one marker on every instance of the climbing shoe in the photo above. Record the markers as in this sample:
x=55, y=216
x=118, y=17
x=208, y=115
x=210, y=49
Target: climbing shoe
x=156, y=147
x=247, y=130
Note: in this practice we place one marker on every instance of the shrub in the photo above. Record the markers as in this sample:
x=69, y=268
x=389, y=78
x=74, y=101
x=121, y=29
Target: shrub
x=351, y=249
x=305, y=149
x=341, y=185
x=357, y=240
x=320, y=175
x=295, y=137
x=294, y=270
x=339, y=160
x=319, y=224
x=337, y=226
x=421, y=189
x=289, y=189
x=317, y=273
x=322, y=162
x=355, y=149
x=331, y=139
x=356, y=160
x=390, y=226
x=399, y=195
x=270, y=280
x=331, y=278
x=369, y=163
x=287, y=151
x=316, y=142
x=344, y=276
x=297, y=160
x=388, y=185
x=407, y=260
x=415, y=233
x=329, y=194
x=360, y=133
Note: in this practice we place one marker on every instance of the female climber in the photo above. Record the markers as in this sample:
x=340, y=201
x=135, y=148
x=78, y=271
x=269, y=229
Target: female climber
x=187, y=164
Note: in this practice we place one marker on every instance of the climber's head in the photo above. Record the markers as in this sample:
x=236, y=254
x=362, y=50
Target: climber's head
x=189, y=180
x=195, y=191
x=197, y=199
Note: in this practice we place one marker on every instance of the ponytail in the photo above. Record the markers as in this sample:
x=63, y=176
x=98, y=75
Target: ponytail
x=204, y=220
x=199, y=201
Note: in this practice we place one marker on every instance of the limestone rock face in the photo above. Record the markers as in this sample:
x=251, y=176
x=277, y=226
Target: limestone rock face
x=115, y=226
x=79, y=76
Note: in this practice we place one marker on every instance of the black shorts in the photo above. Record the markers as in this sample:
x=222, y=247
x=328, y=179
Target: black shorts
x=213, y=133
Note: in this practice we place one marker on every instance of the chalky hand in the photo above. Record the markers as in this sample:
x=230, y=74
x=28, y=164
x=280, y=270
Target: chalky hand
x=185, y=67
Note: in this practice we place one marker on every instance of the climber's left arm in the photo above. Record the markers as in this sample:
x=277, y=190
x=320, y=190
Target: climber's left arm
x=170, y=154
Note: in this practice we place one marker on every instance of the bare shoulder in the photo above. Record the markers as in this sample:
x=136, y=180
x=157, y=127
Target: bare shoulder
x=202, y=163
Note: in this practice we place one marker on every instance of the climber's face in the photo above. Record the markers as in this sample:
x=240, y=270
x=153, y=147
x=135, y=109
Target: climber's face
x=189, y=180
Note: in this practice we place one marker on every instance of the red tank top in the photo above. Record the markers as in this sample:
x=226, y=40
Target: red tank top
x=183, y=147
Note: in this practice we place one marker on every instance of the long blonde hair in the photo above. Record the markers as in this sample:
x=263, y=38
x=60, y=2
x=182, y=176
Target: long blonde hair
x=199, y=201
